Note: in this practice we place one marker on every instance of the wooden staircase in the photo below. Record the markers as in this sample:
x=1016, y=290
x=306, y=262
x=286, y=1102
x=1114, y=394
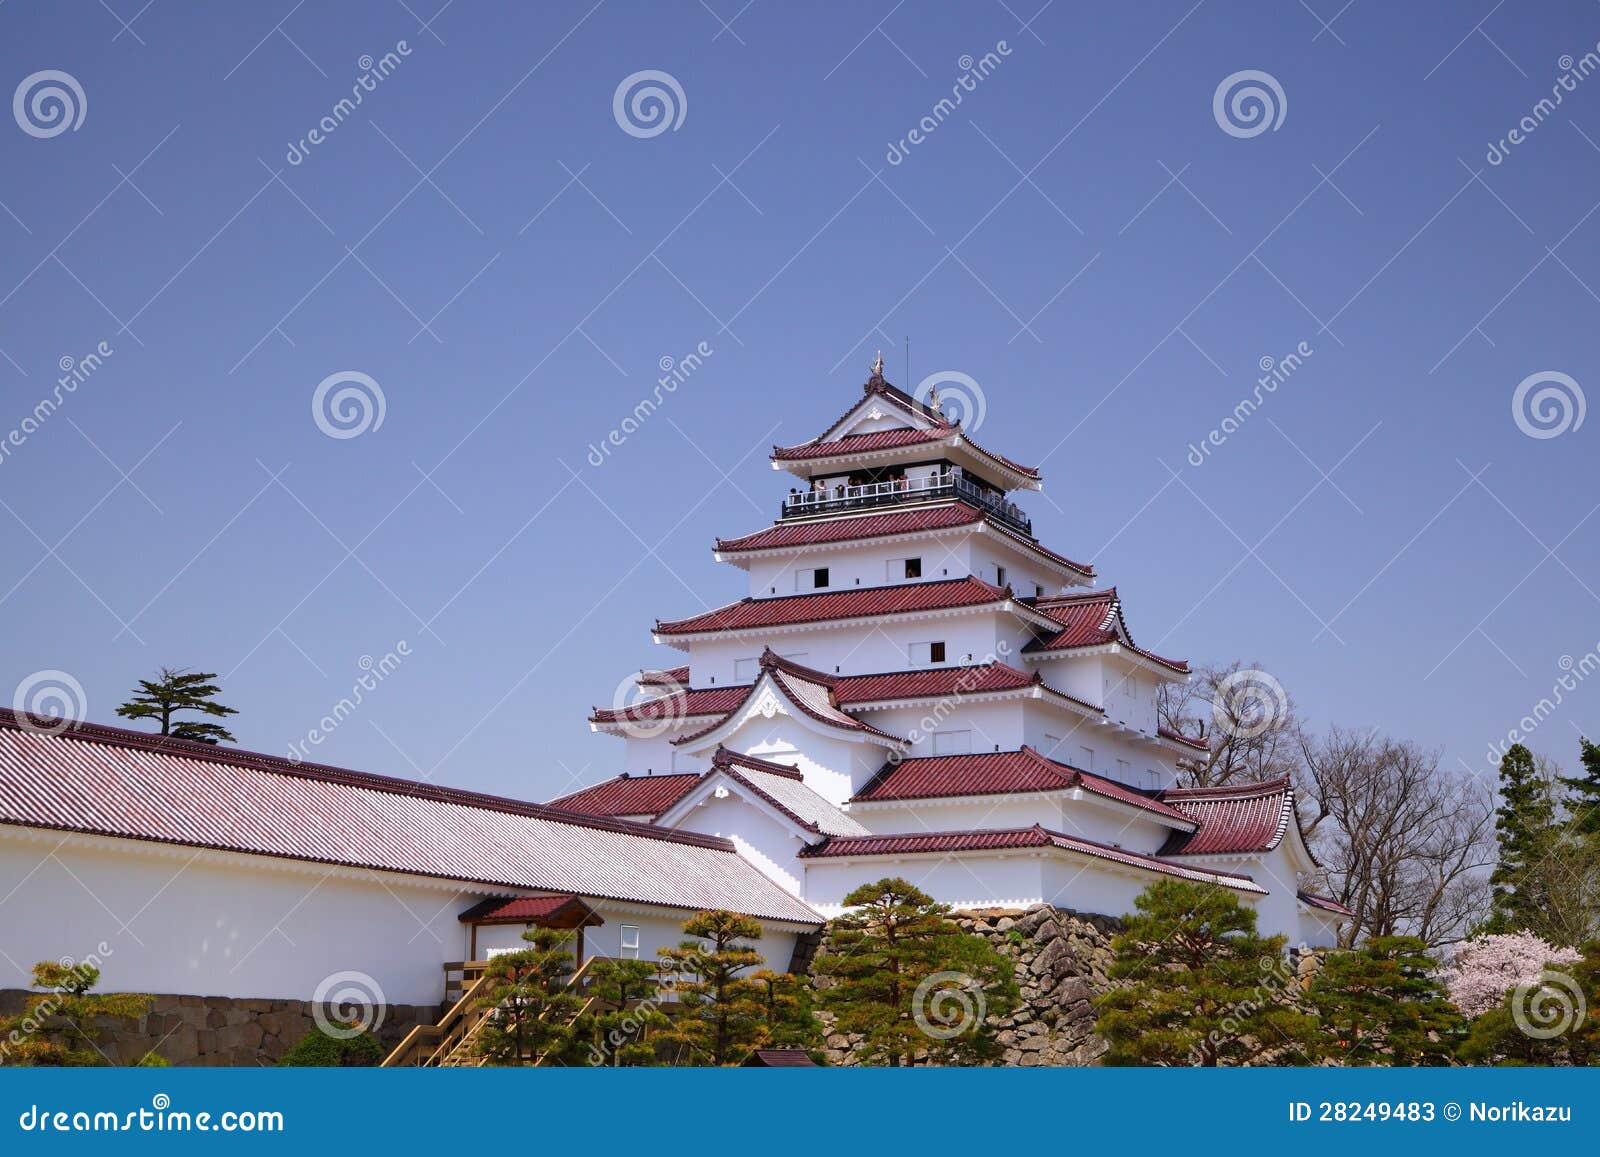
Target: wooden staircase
x=450, y=1043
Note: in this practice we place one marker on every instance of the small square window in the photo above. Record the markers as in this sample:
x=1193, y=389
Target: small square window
x=936, y=652
x=913, y=568
x=819, y=577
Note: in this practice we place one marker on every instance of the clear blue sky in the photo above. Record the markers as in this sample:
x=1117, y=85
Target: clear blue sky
x=1114, y=306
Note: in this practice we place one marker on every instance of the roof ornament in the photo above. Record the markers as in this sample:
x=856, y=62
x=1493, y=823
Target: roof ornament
x=877, y=366
x=933, y=399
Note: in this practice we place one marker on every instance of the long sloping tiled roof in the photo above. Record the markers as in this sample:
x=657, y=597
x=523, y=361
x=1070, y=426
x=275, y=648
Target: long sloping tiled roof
x=790, y=534
x=929, y=683
x=1001, y=773
x=946, y=843
x=629, y=795
x=108, y=781
x=562, y=911
x=829, y=606
x=1091, y=619
x=681, y=703
x=1250, y=817
x=784, y=788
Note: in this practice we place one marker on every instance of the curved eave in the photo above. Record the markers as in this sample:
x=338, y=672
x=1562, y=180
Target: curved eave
x=1168, y=671
x=954, y=443
x=999, y=606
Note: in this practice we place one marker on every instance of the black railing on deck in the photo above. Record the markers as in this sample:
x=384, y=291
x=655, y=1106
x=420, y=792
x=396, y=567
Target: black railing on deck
x=874, y=495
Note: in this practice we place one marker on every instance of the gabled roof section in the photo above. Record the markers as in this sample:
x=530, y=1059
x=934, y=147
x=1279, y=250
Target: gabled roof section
x=1323, y=903
x=1005, y=773
x=809, y=692
x=790, y=535
x=879, y=387
x=850, y=603
x=1236, y=819
x=778, y=785
x=111, y=782
x=1006, y=839
x=545, y=911
x=1091, y=619
x=629, y=795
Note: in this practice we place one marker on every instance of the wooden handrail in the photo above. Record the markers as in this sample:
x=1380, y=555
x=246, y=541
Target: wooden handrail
x=410, y=1048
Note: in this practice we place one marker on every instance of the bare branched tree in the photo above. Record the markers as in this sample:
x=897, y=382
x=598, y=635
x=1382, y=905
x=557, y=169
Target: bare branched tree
x=1246, y=718
x=1405, y=843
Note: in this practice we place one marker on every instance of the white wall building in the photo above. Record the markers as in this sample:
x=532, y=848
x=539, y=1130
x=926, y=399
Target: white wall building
x=943, y=698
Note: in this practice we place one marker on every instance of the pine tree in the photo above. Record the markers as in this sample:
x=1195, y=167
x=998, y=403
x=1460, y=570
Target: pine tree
x=1583, y=799
x=1198, y=986
x=177, y=690
x=530, y=1005
x=718, y=1018
x=898, y=972
x=1380, y=1005
x=60, y=1027
x=1525, y=828
x=627, y=1014
x=787, y=1018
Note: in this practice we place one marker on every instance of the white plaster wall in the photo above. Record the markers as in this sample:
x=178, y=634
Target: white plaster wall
x=957, y=815
x=216, y=925
x=833, y=768
x=997, y=723
x=945, y=556
x=766, y=843
x=973, y=881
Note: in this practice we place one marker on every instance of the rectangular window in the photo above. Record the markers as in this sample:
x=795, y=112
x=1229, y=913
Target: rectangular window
x=913, y=568
x=999, y=576
x=1085, y=759
x=744, y=670
x=811, y=580
x=629, y=941
x=1124, y=771
x=952, y=743
x=922, y=654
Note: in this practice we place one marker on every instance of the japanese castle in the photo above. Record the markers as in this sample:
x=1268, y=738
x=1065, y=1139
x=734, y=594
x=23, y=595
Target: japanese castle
x=914, y=686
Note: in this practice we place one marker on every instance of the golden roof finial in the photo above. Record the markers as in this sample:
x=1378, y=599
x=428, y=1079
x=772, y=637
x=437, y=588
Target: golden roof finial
x=877, y=366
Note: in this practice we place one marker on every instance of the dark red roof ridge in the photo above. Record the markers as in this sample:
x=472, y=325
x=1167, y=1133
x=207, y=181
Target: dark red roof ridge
x=325, y=773
x=725, y=757
x=979, y=586
x=1243, y=789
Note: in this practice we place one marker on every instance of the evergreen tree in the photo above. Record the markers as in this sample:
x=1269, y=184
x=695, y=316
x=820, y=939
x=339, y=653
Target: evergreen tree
x=626, y=1014
x=1198, y=986
x=1379, y=1005
x=718, y=1018
x=1583, y=799
x=787, y=1018
x=896, y=970
x=529, y=1001
x=1525, y=829
x=176, y=690
x=60, y=1027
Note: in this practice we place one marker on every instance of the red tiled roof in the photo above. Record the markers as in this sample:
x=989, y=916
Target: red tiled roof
x=567, y=911
x=1326, y=903
x=859, y=444
x=880, y=386
x=1251, y=817
x=680, y=704
x=811, y=691
x=1177, y=737
x=779, y=1059
x=851, y=603
x=937, y=843
x=1091, y=619
x=108, y=781
x=1000, y=773
x=677, y=676
x=930, y=683
x=828, y=530
x=629, y=795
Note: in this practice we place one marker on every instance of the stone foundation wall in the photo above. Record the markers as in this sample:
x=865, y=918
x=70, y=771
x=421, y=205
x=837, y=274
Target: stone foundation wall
x=223, y=1031
x=1061, y=959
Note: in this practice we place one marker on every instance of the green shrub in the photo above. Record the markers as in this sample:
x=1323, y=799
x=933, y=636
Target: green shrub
x=319, y=1050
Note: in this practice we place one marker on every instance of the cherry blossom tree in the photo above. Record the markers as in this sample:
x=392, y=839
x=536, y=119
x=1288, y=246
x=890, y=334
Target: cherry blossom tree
x=1488, y=967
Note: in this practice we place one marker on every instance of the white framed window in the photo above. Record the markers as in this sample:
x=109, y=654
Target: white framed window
x=628, y=941
x=952, y=743
x=999, y=576
x=924, y=654
x=811, y=579
x=1124, y=771
x=1086, y=759
x=744, y=670
x=1052, y=746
